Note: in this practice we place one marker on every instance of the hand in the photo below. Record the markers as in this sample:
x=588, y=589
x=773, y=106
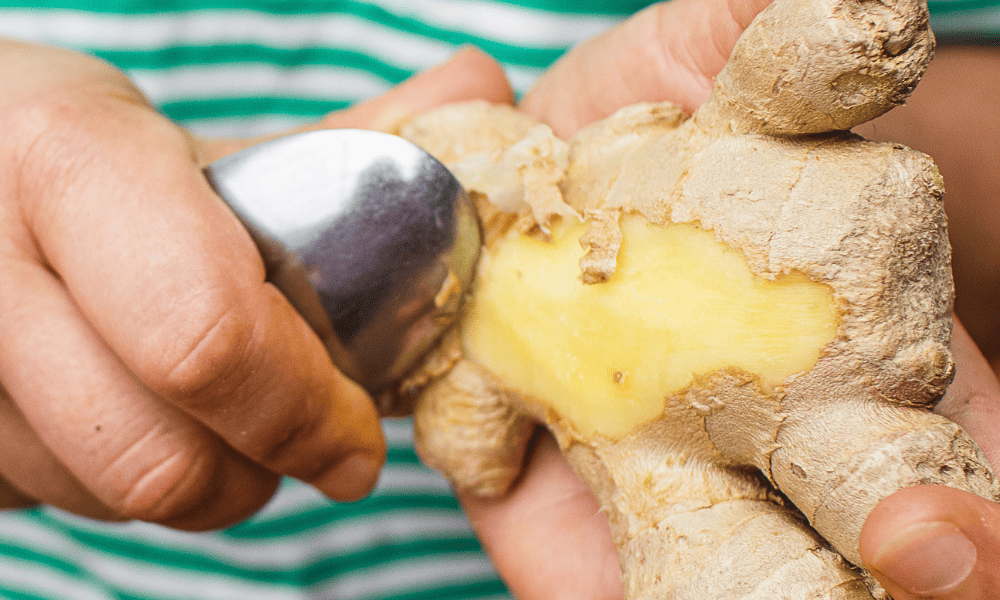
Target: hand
x=951, y=117
x=671, y=52
x=938, y=542
x=146, y=369
x=547, y=536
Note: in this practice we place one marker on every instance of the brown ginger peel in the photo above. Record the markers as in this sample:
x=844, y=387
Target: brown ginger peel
x=734, y=324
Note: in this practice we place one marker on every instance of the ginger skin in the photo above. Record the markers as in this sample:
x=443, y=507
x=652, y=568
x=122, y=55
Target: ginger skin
x=740, y=461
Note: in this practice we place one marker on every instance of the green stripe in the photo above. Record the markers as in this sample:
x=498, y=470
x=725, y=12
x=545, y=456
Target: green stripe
x=307, y=574
x=961, y=6
x=292, y=524
x=8, y=594
x=222, y=108
x=592, y=7
x=476, y=589
x=278, y=7
x=384, y=555
x=293, y=7
x=318, y=518
x=37, y=560
x=530, y=57
x=377, y=14
x=374, y=14
x=177, y=56
x=404, y=455
x=222, y=54
x=313, y=574
x=8, y=550
x=459, y=591
x=581, y=7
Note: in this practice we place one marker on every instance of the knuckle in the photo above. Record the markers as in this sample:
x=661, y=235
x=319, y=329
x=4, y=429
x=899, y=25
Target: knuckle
x=43, y=138
x=50, y=149
x=53, y=134
x=214, y=360
x=282, y=449
x=305, y=444
x=160, y=490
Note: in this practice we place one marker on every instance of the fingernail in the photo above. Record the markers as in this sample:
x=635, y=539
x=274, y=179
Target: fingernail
x=927, y=558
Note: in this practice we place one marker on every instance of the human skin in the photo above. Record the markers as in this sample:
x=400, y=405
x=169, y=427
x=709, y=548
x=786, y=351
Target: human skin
x=147, y=370
x=538, y=524
x=952, y=116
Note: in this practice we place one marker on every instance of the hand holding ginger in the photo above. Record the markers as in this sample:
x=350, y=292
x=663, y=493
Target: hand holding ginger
x=799, y=424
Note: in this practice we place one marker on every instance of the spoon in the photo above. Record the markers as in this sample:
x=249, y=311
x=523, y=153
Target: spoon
x=371, y=239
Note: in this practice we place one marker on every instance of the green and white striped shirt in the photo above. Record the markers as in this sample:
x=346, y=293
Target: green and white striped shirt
x=229, y=68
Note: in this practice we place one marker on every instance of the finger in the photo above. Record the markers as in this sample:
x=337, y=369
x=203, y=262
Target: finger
x=174, y=284
x=550, y=518
x=14, y=437
x=92, y=439
x=669, y=52
x=973, y=398
x=938, y=542
x=934, y=542
x=469, y=74
x=29, y=470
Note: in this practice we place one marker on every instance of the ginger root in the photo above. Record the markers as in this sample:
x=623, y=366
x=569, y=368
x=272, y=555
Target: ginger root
x=735, y=324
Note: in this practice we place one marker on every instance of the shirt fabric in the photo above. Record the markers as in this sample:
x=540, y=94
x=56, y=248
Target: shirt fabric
x=235, y=68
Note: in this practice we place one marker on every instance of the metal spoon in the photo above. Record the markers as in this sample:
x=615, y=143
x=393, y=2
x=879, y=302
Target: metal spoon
x=370, y=238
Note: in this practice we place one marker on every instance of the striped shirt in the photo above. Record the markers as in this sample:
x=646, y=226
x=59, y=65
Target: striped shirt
x=229, y=68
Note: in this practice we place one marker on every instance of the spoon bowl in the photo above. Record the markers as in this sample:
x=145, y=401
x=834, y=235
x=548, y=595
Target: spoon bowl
x=370, y=238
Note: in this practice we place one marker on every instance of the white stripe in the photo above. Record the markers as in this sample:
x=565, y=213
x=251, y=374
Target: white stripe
x=150, y=32
x=282, y=552
x=249, y=80
x=144, y=33
x=152, y=581
x=400, y=479
x=503, y=21
x=207, y=82
x=157, y=581
x=295, y=496
x=522, y=78
x=417, y=574
x=398, y=431
x=148, y=580
x=39, y=580
x=237, y=127
x=491, y=20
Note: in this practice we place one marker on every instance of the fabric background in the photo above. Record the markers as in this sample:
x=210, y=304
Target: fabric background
x=233, y=68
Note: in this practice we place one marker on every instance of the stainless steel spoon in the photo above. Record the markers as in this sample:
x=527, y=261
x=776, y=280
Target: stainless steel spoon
x=370, y=238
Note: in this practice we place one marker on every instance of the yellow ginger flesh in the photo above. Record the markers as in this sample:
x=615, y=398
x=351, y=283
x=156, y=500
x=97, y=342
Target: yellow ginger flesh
x=680, y=304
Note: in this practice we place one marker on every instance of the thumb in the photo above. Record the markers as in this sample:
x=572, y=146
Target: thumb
x=469, y=74
x=939, y=542
x=934, y=542
x=973, y=398
x=670, y=51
